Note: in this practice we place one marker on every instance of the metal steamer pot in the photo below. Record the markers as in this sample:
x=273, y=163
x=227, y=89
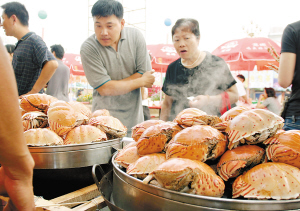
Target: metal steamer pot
x=74, y=155
x=130, y=193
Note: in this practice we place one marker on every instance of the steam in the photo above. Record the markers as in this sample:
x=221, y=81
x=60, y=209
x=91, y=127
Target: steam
x=211, y=77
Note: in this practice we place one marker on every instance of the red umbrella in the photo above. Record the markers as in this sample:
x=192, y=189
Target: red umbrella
x=162, y=55
x=244, y=54
x=73, y=61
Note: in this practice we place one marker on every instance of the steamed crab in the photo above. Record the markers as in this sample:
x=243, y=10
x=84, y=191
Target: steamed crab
x=81, y=108
x=185, y=175
x=127, y=155
x=229, y=115
x=252, y=127
x=85, y=134
x=100, y=112
x=284, y=147
x=36, y=102
x=34, y=119
x=193, y=116
x=62, y=117
x=42, y=137
x=146, y=164
x=155, y=137
x=138, y=130
x=234, y=161
x=199, y=142
x=112, y=126
x=268, y=181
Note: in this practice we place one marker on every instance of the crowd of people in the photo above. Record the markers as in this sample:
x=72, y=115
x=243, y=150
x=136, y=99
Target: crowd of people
x=116, y=63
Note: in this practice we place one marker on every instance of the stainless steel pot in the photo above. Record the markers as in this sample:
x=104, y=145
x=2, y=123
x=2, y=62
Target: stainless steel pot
x=130, y=193
x=75, y=155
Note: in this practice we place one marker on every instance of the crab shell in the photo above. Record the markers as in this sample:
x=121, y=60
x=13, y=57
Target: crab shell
x=284, y=147
x=138, y=130
x=234, y=161
x=178, y=173
x=109, y=125
x=251, y=122
x=155, y=137
x=42, y=137
x=62, y=118
x=268, y=181
x=127, y=155
x=146, y=164
x=230, y=114
x=34, y=119
x=199, y=142
x=81, y=108
x=100, y=112
x=37, y=102
x=193, y=116
x=85, y=134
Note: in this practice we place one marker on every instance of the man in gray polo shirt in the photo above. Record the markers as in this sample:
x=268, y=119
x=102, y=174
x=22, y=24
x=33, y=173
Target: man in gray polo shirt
x=116, y=63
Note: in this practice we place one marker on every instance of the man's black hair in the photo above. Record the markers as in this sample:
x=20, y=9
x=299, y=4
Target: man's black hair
x=59, y=51
x=17, y=9
x=241, y=76
x=105, y=8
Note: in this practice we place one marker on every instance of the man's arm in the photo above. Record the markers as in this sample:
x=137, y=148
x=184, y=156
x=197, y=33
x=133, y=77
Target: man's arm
x=166, y=108
x=17, y=164
x=120, y=87
x=286, y=69
x=46, y=74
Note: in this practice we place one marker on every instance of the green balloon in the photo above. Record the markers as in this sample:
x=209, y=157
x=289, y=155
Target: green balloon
x=42, y=14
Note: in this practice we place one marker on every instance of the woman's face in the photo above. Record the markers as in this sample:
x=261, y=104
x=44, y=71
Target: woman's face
x=185, y=43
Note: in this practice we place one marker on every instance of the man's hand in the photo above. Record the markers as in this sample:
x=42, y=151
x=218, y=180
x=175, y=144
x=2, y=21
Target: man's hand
x=148, y=78
x=199, y=102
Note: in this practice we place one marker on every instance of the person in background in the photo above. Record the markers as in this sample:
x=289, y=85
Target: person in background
x=10, y=49
x=33, y=63
x=289, y=74
x=270, y=101
x=58, y=84
x=145, y=103
x=198, y=78
x=16, y=171
x=116, y=63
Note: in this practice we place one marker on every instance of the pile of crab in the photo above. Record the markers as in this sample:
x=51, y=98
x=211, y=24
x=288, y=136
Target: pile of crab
x=48, y=121
x=242, y=154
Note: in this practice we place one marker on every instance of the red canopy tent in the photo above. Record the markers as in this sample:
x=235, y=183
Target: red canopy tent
x=162, y=55
x=73, y=61
x=244, y=54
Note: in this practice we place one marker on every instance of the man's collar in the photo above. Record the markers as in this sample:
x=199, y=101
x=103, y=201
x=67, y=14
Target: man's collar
x=26, y=36
x=123, y=34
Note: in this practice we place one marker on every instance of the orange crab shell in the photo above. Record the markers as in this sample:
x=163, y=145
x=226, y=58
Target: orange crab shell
x=85, y=134
x=193, y=116
x=100, y=112
x=193, y=143
x=155, y=137
x=127, y=155
x=81, y=108
x=138, y=130
x=268, y=181
x=62, y=118
x=284, y=147
x=251, y=122
x=34, y=119
x=146, y=164
x=109, y=125
x=42, y=137
x=232, y=161
x=37, y=102
x=176, y=173
x=230, y=114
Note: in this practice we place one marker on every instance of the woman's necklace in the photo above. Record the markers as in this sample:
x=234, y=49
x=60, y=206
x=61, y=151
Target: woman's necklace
x=186, y=65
